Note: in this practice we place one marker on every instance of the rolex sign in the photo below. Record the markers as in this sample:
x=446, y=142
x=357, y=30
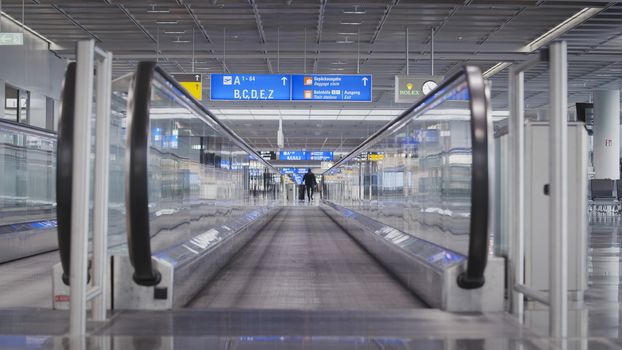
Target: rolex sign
x=411, y=89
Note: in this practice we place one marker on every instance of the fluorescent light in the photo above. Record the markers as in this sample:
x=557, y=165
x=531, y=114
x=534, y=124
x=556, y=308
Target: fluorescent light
x=178, y=41
x=345, y=41
x=496, y=69
x=352, y=23
x=202, y=68
x=339, y=63
x=347, y=33
x=175, y=32
x=561, y=28
x=339, y=69
x=166, y=22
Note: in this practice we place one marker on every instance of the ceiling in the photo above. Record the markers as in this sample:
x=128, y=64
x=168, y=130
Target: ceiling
x=324, y=36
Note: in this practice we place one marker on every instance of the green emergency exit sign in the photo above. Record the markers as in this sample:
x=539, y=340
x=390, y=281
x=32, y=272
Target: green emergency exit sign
x=11, y=39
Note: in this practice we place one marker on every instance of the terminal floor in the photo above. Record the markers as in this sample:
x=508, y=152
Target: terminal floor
x=304, y=260
x=233, y=322
x=28, y=282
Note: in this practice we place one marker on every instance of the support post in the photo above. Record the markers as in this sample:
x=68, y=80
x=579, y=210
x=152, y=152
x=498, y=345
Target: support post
x=100, y=199
x=80, y=194
x=517, y=190
x=558, y=97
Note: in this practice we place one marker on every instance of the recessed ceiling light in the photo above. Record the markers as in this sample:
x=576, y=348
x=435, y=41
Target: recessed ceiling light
x=154, y=9
x=166, y=22
x=346, y=33
x=339, y=62
x=180, y=41
x=345, y=41
x=352, y=23
x=202, y=68
x=177, y=32
x=340, y=69
x=355, y=11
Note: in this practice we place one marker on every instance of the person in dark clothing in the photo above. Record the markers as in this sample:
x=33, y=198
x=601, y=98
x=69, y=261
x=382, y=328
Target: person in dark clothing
x=310, y=182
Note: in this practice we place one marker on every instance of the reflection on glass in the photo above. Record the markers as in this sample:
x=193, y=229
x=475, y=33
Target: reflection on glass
x=198, y=176
x=28, y=166
x=417, y=177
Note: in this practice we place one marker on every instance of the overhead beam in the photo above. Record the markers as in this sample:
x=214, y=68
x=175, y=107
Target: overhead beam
x=383, y=19
x=75, y=22
x=318, y=35
x=262, y=34
x=201, y=28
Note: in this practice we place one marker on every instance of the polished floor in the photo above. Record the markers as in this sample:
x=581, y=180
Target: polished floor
x=28, y=282
x=338, y=297
x=302, y=260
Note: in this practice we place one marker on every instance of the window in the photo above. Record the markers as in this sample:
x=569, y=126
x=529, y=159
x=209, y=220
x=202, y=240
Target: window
x=16, y=104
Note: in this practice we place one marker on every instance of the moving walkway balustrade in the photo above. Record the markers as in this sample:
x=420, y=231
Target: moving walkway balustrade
x=188, y=176
x=175, y=170
x=428, y=174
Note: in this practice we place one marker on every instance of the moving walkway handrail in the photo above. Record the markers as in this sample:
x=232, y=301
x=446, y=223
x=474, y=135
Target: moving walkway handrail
x=28, y=129
x=64, y=168
x=481, y=132
x=136, y=192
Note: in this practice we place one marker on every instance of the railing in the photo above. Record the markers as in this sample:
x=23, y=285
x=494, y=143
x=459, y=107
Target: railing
x=442, y=145
x=162, y=114
x=64, y=168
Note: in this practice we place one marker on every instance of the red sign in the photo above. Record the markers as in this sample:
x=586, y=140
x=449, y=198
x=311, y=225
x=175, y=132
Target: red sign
x=61, y=298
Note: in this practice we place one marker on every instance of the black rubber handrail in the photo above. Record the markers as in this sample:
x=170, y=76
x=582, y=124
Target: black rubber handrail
x=481, y=130
x=137, y=188
x=481, y=127
x=137, y=184
x=64, y=168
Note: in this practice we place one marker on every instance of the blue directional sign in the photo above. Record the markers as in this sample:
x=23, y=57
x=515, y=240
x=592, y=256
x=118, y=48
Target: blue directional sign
x=250, y=87
x=329, y=87
x=292, y=155
x=320, y=155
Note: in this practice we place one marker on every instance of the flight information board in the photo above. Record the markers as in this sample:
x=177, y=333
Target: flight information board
x=331, y=87
x=250, y=87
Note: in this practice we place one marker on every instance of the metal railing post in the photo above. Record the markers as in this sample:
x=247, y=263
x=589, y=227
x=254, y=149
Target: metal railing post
x=100, y=201
x=80, y=184
x=517, y=190
x=558, y=273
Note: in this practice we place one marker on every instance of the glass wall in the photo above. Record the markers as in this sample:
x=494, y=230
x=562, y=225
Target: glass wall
x=199, y=175
x=28, y=168
x=416, y=175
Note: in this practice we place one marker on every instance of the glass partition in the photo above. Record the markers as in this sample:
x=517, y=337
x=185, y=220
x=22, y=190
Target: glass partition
x=417, y=173
x=27, y=165
x=199, y=174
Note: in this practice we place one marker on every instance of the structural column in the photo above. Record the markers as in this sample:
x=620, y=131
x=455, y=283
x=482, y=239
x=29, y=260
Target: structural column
x=607, y=134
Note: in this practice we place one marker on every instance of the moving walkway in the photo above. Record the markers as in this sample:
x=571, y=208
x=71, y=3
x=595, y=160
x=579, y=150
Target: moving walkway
x=197, y=194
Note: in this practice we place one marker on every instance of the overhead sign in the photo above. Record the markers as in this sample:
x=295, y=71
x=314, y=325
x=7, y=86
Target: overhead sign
x=306, y=155
x=373, y=156
x=410, y=89
x=320, y=155
x=9, y=39
x=330, y=87
x=292, y=155
x=250, y=87
x=191, y=82
x=268, y=155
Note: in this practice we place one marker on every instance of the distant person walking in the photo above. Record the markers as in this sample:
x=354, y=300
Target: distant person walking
x=310, y=183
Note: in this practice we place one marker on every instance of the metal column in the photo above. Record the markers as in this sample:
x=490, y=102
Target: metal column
x=558, y=97
x=516, y=196
x=100, y=199
x=80, y=185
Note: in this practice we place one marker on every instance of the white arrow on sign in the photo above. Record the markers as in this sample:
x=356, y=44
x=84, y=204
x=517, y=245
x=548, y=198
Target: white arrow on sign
x=197, y=77
x=365, y=81
x=284, y=79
